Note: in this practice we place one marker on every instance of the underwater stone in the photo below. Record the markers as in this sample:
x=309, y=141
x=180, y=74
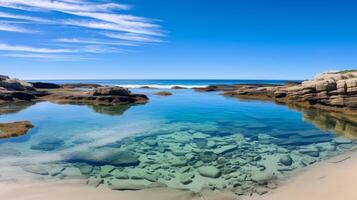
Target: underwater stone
x=190, y=156
x=120, y=185
x=36, y=169
x=48, y=145
x=157, y=185
x=55, y=170
x=225, y=149
x=151, y=177
x=71, y=172
x=326, y=146
x=261, y=190
x=95, y=182
x=105, y=170
x=199, y=135
x=85, y=168
x=105, y=157
x=178, y=152
x=207, y=156
x=184, y=169
x=211, y=144
x=121, y=175
x=209, y=171
x=151, y=142
x=286, y=160
x=178, y=162
x=221, y=160
x=185, y=178
x=341, y=140
x=262, y=176
x=311, y=151
x=307, y=161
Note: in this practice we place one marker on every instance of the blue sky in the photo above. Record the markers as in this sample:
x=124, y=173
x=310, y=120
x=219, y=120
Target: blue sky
x=178, y=39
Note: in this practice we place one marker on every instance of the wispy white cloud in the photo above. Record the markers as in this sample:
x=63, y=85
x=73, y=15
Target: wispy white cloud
x=132, y=37
x=23, y=17
x=90, y=41
x=110, y=26
x=102, y=23
x=12, y=28
x=47, y=57
x=62, y=5
x=6, y=47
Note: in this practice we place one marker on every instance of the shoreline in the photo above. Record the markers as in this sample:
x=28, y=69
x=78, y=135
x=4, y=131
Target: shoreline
x=320, y=181
x=331, y=179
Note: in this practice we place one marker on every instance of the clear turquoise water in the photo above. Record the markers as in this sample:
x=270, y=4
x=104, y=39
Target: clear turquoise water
x=188, y=140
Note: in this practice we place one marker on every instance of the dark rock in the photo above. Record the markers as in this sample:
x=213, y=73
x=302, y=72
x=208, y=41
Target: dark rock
x=42, y=85
x=111, y=91
x=178, y=87
x=286, y=160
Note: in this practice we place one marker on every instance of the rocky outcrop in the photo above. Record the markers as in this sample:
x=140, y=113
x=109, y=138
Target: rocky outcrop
x=15, y=84
x=98, y=96
x=14, y=90
x=334, y=91
x=14, y=129
x=80, y=85
x=17, y=90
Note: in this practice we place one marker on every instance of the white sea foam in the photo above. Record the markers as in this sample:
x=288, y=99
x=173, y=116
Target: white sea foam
x=163, y=86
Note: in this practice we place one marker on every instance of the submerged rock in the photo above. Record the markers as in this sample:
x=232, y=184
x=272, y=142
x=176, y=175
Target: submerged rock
x=157, y=185
x=163, y=93
x=186, y=178
x=307, y=161
x=71, y=172
x=105, y=170
x=286, y=160
x=36, y=169
x=105, y=157
x=263, y=176
x=120, y=185
x=95, y=182
x=225, y=149
x=207, y=156
x=48, y=145
x=209, y=171
x=341, y=140
x=85, y=168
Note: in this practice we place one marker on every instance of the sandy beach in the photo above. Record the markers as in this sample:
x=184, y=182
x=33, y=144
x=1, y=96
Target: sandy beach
x=332, y=179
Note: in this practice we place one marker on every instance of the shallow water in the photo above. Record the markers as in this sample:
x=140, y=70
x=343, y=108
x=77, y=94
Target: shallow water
x=188, y=140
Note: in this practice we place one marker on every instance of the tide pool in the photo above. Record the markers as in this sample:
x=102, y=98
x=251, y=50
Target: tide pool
x=189, y=140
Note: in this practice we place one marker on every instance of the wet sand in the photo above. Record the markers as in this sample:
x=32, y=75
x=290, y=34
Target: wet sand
x=332, y=179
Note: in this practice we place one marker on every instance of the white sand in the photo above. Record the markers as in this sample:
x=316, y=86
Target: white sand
x=335, y=179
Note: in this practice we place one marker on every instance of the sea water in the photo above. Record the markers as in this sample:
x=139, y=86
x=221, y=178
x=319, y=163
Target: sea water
x=190, y=140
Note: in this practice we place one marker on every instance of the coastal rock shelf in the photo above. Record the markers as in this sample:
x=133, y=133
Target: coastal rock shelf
x=197, y=158
x=98, y=96
x=334, y=91
x=14, y=90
